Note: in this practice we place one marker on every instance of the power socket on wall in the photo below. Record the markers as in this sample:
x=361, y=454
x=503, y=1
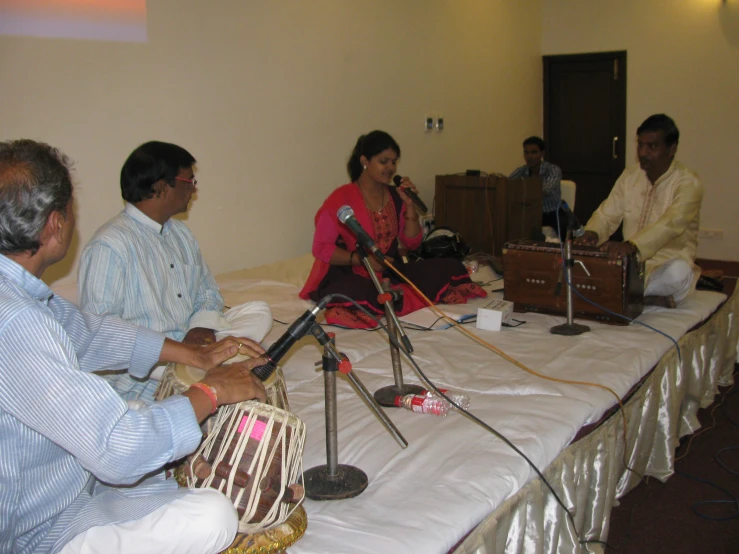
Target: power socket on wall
x=433, y=122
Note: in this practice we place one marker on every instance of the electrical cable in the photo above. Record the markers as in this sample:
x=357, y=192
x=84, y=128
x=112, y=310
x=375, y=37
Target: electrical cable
x=472, y=417
x=734, y=500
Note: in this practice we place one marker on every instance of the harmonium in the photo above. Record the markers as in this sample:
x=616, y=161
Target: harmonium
x=534, y=281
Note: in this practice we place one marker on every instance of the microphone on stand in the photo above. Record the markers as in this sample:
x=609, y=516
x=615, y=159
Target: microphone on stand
x=573, y=223
x=346, y=216
x=294, y=333
x=416, y=200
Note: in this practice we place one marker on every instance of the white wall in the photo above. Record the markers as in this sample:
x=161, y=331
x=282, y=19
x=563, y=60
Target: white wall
x=683, y=60
x=270, y=97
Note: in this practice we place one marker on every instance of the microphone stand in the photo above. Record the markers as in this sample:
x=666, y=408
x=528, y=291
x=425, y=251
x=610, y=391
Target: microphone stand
x=385, y=396
x=570, y=328
x=334, y=481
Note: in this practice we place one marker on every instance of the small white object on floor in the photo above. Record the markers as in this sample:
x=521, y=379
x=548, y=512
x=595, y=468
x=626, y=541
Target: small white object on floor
x=492, y=315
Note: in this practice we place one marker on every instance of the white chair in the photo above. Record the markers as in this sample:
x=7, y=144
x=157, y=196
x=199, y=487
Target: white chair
x=568, y=192
x=568, y=195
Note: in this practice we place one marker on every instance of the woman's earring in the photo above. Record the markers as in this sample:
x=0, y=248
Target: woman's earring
x=364, y=166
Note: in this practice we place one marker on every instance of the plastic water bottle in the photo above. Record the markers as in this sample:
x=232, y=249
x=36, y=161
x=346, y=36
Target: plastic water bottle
x=423, y=404
x=461, y=399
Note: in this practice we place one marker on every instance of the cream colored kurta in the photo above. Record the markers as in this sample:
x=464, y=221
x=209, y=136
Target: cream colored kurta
x=661, y=219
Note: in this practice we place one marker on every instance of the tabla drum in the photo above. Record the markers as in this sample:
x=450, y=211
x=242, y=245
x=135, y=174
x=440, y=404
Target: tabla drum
x=253, y=455
x=177, y=379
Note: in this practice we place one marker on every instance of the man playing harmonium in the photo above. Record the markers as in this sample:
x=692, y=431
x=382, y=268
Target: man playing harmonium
x=659, y=202
x=146, y=267
x=80, y=471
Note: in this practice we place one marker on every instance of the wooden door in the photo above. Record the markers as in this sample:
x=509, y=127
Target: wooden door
x=585, y=123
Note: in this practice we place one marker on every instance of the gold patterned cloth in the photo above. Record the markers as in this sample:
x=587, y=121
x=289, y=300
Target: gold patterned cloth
x=273, y=540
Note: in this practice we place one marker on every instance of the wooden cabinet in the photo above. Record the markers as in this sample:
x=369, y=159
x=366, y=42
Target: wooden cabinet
x=487, y=211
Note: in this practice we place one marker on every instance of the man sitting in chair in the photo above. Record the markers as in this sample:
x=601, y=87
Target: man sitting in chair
x=144, y=266
x=659, y=203
x=551, y=177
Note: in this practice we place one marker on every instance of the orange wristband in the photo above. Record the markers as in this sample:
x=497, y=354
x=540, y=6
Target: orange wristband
x=210, y=391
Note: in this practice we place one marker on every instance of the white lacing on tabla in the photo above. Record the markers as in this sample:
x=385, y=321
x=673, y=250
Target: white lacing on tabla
x=278, y=421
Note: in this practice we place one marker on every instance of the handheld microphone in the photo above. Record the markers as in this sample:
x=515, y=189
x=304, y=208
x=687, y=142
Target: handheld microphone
x=294, y=333
x=416, y=200
x=573, y=223
x=346, y=216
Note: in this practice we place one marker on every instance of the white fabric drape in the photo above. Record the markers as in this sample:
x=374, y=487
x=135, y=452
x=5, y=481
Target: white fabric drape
x=454, y=475
x=590, y=475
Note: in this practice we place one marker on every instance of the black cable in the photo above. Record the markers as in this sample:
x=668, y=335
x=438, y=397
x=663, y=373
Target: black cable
x=722, y=464
x=471, y=416
x=734, y=500
x=726, y=406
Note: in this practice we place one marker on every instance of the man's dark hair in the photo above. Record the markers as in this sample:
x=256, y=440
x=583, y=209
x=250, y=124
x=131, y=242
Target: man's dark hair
x=661, y=122
x=34, y=182
x=150, y=163
x=538, y=141
x=369, y=145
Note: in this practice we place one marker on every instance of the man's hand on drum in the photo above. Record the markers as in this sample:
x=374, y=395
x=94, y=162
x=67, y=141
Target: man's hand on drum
x=214, y=355
x=589, y=238
x=200, y=336
x=236, y=383
x=245, y=347
x=226, y=384
x=209, y=356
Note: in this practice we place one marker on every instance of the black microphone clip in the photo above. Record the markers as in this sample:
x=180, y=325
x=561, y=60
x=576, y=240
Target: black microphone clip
x=573, y=223
x=295, y=332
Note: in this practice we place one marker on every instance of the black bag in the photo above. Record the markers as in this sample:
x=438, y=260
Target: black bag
x=443, y=242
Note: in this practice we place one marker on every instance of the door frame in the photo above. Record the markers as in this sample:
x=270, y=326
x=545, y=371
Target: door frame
x=618, y=118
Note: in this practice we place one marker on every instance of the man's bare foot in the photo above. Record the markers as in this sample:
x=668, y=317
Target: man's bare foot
x=662, y=301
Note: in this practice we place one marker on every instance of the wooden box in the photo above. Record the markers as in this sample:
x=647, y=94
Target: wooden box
x=534, y=282
x=487, y=211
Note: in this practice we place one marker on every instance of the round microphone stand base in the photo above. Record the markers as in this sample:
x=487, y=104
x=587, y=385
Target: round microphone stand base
x=569, y=329
x=347, y=482
x=386, y=395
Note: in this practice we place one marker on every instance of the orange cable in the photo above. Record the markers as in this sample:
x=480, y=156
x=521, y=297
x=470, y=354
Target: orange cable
x=515, y=362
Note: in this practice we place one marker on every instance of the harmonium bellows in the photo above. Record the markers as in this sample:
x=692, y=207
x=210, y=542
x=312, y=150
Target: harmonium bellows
x=534, y=281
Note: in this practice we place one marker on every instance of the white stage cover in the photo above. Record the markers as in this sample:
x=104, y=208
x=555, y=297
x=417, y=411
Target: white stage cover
x=457, y=486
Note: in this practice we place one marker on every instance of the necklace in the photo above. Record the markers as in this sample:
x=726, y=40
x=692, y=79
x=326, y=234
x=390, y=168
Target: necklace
x=366, y=203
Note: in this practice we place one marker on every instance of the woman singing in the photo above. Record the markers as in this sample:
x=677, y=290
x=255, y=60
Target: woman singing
x=387, y=214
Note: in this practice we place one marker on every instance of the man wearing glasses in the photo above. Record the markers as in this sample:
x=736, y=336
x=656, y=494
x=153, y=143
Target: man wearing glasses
x=145, y=267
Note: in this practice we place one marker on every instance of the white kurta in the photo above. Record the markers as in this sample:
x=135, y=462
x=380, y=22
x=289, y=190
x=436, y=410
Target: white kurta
x=662, y=220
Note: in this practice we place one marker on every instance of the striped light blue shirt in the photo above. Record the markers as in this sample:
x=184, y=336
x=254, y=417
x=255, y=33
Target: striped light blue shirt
x=64, y=431
x=152, y=275
x=149, y=274
x=551, y=187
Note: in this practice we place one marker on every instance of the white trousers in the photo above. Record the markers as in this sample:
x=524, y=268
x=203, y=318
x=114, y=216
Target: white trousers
x=252, y=320
x=201, y=522
x=672, y=278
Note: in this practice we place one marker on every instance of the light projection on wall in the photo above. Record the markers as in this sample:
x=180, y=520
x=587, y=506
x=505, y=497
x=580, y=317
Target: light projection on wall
x=115, y=20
